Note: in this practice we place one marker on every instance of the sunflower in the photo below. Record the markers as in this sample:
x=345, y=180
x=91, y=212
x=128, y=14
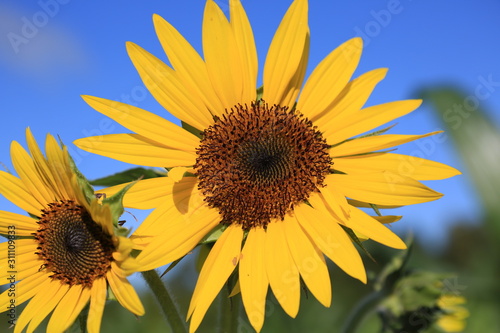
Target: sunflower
x=66, y=253
x=452, y=316
x=281, y=177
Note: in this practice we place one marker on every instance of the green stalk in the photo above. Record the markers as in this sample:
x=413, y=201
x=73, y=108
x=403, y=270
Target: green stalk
x=168, y=306
x=357, y=315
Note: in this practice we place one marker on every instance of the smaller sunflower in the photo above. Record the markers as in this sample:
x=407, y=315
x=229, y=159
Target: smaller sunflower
x=452, y=313
x=68, y=250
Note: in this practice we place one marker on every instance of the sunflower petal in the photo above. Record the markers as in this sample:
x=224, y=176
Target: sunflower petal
x=14, y=190
x=218, y=266
x=189, y=66
x=369, y=118
x=145, y=123
x=373, y=143
x=49, y=297
x=253, y=277
x=350, y=100
x=166, y=87
x=384, y=188
x=26, y=169
x=135, y=149
x=125, y=293
x=373, y=229
x=189, y=229
x=332, y=240
x=221, y=57
x=97, y=302
x=245, y=45
x=68, y=308
x=285, y=53
x=145, y=194
x=22, y=225
x=282, y=271
x=329, y=78
x=404, y=165
x=311, y=265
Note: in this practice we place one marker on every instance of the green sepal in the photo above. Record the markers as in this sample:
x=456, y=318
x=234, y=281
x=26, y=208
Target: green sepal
x=260, y=92
x=395, y=269
x=379, y=132
x=171, y=266
x=214, y=235
x=127, y=176
x=83, y=183
x=191, y=129
x=115, y=203
x=375, y=208
x=204, y=251
x=356, y=240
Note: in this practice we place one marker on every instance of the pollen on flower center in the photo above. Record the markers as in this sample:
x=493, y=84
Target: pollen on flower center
x=75, y=249
x=255, y=163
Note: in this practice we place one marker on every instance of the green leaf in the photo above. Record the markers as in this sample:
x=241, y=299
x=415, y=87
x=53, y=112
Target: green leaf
x=126, y=176
x=260, y=92
x=214, y=235
x=115, y=203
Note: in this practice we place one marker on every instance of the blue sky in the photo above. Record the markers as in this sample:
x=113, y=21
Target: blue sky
x=53, y=51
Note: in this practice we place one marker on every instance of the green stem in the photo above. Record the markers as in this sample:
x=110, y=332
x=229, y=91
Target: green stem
x=361, y=310
x=169, y=308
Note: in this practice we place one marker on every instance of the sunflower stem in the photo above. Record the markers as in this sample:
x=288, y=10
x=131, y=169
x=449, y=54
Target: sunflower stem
x=167, y=304
x=366, y=305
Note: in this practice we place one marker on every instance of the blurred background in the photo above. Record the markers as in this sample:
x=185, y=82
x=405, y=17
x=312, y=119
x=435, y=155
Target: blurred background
x=52, y=51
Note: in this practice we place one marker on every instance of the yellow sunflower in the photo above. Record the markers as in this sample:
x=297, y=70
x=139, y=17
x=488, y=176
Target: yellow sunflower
x=281, y=173
x=453, y=315
x=66, y=253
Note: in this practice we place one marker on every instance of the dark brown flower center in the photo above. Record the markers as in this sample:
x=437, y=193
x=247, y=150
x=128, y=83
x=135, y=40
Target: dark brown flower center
x=74, y=247
x=256, y=162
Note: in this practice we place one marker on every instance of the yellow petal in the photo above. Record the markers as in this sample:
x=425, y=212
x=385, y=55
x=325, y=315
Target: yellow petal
x=245, y=46
x=311, y=265
x=16, y=224
x=49, y=297
x=25, y=289
x=350, y=100
x=68, y=308
x=333, y=200
x=373, y=229
x=189, y=66
x=404, y=165
x=26, y=169
x=384, y=188
x=136, y=149
x=58, y=161
x=332, y=240
x=218, y=266
x=329, y=78
x=17, y=247
x=13, y=189
x=253, y=277
x=180, y=234
x=145, y=123
x=282, y=272
x=125, y=293
x=177, y=173
x=42, y=164
x=222, y=57
x=369, y=118
x=295, y=84
x=285, y=53
x=166, y=87
x=97, y=302
x=373, y=143
x=145, y=194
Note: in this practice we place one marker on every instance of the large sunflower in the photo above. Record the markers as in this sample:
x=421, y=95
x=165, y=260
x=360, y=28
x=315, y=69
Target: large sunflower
x=66, y=253
x=281, y=172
